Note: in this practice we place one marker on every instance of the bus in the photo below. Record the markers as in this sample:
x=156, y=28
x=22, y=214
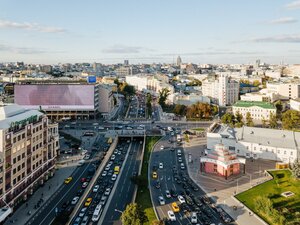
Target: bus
x=97, y=213
x=117, y=170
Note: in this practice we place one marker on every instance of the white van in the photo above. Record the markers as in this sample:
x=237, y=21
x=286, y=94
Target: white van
x=179, y=152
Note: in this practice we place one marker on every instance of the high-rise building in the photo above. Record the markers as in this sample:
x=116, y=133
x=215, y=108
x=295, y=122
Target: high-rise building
x=126, y=62
x=224, y=90
x=178, y=61
x=28, y=150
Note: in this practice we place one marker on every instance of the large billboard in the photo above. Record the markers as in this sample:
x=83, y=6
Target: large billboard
x=55, y=96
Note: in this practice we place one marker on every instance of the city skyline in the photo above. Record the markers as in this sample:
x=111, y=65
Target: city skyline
x=109, y=32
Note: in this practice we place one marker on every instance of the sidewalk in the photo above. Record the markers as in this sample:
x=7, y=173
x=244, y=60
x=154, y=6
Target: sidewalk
x=20, y=217
x=222, y=191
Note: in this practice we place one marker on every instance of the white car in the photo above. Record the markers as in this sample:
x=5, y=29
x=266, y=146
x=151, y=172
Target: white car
x=95, y=189
x=181, y=199
x=194, y=218
x=113, y=157
x=114, y=177
x=104, y=173
x=161, y=165
x=162, y=147
x=171, y=215
x=82, y=212
x=168, y=195
x=161, y=200
x=107, y=191
x=75, y=200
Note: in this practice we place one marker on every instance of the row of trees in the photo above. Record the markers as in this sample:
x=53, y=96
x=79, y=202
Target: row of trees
x=196, y=111
x=124, y=88
x=237, y=119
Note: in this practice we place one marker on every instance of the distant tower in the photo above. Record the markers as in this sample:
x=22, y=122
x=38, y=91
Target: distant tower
x=257, y=63
x=178, y=62
x=126, y=62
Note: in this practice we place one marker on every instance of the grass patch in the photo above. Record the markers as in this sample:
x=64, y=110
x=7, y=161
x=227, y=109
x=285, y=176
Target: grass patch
x=288, y=207
x=143, y=194
x=198, y=129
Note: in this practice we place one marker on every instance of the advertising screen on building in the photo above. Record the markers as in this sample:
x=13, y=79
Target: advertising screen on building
x=55, y=96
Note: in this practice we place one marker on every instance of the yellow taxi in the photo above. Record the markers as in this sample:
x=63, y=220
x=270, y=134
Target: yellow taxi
x=88, y=201
x=154, y=175
x=175, y=207
x=68, y=180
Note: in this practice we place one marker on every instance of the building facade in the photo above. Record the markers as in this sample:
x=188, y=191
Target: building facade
x=28, y=150
x=259, y=111
x=290, y=90
x=253, y=142
x=224, y=90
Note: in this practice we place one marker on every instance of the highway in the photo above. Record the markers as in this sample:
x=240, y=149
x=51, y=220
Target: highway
x=176, y=180
x=125, y=189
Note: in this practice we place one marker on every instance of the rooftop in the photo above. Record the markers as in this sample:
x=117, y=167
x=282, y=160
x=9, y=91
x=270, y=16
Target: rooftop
x=246, y=104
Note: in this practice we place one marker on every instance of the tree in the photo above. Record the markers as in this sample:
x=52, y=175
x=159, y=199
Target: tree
x=140, y=181
x=180, y=110
x=149, y=104
x=126, y=89
x=256, y=83
x=291, y=120
x=296, y=169
x=163, y=95
x=249, y=120
x=239, y=119
x=273, y=121
x=157, y=222
x=264, y=122
x=133, y=215
x=199, y=110
x=228, y=118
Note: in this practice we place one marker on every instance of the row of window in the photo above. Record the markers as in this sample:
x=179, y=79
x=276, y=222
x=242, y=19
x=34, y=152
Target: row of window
x=18, y=178
x=267, y=150
x=18, y=158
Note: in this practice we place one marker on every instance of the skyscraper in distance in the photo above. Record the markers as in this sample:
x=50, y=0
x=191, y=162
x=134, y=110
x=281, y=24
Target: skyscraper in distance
x=179, y=61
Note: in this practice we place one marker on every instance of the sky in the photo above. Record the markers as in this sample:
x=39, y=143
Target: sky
x=200, y=31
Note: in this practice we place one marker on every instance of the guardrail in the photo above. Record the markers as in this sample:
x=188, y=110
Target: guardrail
x=94, y=179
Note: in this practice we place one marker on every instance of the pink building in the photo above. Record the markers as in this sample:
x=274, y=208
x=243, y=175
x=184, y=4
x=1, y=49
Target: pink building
x=221, y=161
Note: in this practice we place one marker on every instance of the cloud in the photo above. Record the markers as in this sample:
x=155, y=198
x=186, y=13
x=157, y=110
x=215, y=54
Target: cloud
x=293, y=5
x=283, y=20
x=23, y=50
x=279, y=39
x=122, y=49
x=30, y=26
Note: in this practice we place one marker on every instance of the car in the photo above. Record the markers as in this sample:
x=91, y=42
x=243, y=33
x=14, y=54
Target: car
x=88, y=202
x=161, y=166
x=110, y=172
x=181, y=199
x=85, y=220
x=75, y=200
x=68, y=180
x=161, y=147
x=96, y=188
x=77, y=221
x=114, y=177
x=112, y=157
x=103, y=200
x=83, y=179
x=173, y=193
x=168, y=195
x=161, y=200
x=178, y=152
x=107, y=191
x=82, y=212
x=154, y=175
x=79, y=192
x=88, y=179
x=182, y=166
x=84, y=185
x=175, y=207
x=104, y=173
x=180, y=159
x=171, y=215
x=65, y=204
x=194, y=218
x=157, y=184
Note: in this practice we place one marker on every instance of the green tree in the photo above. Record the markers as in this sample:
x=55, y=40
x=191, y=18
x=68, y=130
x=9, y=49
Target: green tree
x=273, y=121
x=141, y=181
x=163, y=95
x=157, y=222
x=239, y=119
x=180, y=110
x=228, y=118
x=149, y=104
x=249, y=120
x=296, y=169
x=256, y=83
x=264, y=122
x=133, y=215
x=291, y=120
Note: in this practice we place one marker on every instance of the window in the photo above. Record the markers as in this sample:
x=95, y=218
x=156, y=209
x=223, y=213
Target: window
x=291, y=152
x=19, y=157
x=14, y=170
x=14, y=181
x=23, y=155
x=15, y=139
x=19, y=137
x=284, y=152
x=23, y=165
x=23, y=136
x=19, y=168
x=33, y=167
x=23, y=174
x=14, y=160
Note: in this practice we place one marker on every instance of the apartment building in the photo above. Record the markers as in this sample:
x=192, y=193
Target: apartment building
x=28, y=150
x=295, y=104
x=290, y=90
x=106, y=100
x=223, y=90
x=258, y=110
x=253, y=142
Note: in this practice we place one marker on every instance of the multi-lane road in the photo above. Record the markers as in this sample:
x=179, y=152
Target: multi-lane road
x=171, y=170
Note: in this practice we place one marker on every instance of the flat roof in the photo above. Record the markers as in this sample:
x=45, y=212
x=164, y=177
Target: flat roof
x=247, y=104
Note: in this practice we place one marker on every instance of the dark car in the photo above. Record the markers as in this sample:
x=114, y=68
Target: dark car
x=79, y=192
x=65, y=204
